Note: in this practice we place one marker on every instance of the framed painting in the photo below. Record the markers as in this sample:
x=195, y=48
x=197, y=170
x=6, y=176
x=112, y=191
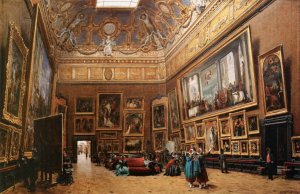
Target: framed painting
x=174, y=111
x=224, y=125
x=133, y=144
x=84, y=125
x=226, y=145
x=182, y=136
x=200, y=130
x=235, y=147
x=254, y=147
x=189, y=132
x=15, y=77
x=108, y=146
x=85, y=105
x=5, y=132
x=175, y=137
x=15, y=144
x=200, y=144
x=244, y=147
x=159, y=117
x=212, y=136
x=115, y=146
x=109, y=109
x=134, y=123
x=220, y=82
x=238, y=125
x=296, y=146
x=159, y=140
x=100, y=145
x=273, y=81
x=134, y=103
x=108, y=135
x=253, y=124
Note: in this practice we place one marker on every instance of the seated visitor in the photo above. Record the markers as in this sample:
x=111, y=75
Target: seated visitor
x=172, y=168
x=122, y=168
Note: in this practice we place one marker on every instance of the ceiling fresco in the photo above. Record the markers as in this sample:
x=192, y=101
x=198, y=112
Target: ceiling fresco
x=78, y=26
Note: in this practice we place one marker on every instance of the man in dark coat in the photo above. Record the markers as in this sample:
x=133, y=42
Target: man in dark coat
x=269, y=164
x=223, y=163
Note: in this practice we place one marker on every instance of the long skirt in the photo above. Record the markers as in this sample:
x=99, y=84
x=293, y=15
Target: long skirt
x=202, y=177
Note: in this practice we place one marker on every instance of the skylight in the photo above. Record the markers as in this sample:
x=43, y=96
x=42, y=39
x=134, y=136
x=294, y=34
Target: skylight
x=117, y=3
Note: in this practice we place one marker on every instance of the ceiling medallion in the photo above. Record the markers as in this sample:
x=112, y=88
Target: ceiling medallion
x=109, y=28
x=108, y=73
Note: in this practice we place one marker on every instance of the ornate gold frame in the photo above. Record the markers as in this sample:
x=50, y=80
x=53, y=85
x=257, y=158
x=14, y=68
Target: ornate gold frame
x=115, y=142
x=84, y=117
x=15, y=36
x=125, y=103
x=15, y=132
x=231, y=115
x=160, y=102
x=222, y=145
x=124, y=144
x=203, y=128
x=239, y=151
x=7, y=143
x=220, y=127
x=241, y=148
x=85, y=113
x=153, y=139
x=295, y=155
x=115, y=135
x=206, y=134
x=173, y=136
x=178, y=112
x=125, y=125
x=186, y=131
x=248, y=124
x=257, y=141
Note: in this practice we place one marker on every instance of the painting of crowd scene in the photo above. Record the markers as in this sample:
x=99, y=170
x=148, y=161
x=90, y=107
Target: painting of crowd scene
x=133, y=144
x=221, y=82
x=84, y=105
x=134, y=103
x=84, y=125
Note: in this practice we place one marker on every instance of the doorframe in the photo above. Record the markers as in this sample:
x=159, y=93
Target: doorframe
x=93, y=141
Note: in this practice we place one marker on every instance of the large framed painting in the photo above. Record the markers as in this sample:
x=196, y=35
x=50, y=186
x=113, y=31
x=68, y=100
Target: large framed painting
x=160, y=140
x=189, y=132
x=5, y=132
x=15, y=77
x=85, y=105
x=273, y=81
x=133, y=144
x=159, y=117
x=200, y=144
x=235, y=148
x=134, y=123
x=212, y=136
x=84, y=125
x=244, y=147
x=200, y=131
x=175, y=137
x=115, y=146
x=109, y=109
x=254, y=147
x=174, y=111
x=238, y=125
x=296, y=146
x=253, y=124
x=220, y=82
x=225, y=128
x=108, y=135
x=15, y=144
x=226, y=145
x=134, y=103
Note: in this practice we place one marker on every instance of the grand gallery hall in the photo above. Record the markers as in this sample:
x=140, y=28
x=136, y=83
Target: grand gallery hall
x=149, y=96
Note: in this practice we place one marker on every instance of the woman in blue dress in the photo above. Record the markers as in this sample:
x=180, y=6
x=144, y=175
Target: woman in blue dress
x=189, y=168
x=122, y=168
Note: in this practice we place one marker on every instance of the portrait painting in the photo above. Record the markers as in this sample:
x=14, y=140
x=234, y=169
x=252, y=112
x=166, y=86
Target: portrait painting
x=224, y=125
x=85, y=105
x=296, y=146
x=15, y=144
x=133, y=144
x=226, y=145
x=200, y=130
x=212, y=135
x=189, y=132
x=238, y=125
x=235, y=148
x=15, y=77
x=201, y=144
x=134, y=103
x=174, y=111
x=134, y=123
x=244, y=147
x=273, y=81
x=220, y=82
x=5, y=132
x=109, y=109
x=84, y=125
x=254, y=147
x=159, y=139
x=108, y=135
x=253, y=124
x=175, y=137
x=115, y=146
x=159, y=117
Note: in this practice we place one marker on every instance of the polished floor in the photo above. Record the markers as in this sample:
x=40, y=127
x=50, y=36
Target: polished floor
x=91, y=179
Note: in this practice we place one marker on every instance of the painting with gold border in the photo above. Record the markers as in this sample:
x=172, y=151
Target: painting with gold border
x=133, y=144
x=84, y=105
x=238, y=125
x=296, y=146
x=254, y=147
x=212, y=135
x=5, y=132
x=174, y=111
x=134, y=123
x=15, y=144
x=134, y=103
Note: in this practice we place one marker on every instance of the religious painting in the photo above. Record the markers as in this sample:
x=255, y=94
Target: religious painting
x=235, y=147
x=296, y=146
x=221, y=82
x=201, y=144
x=200, y=130
x=134, y=103
x=273, y=81
x=224, y=127
x=175, y=137
x=84, y=105
x=238, y=125
x=244, y=147
x=182, y=136
x=115, y=146
x=253, y=124
x=254, y=147
x=108, y=146
x=226, y=145
x=174, y=111
x=159, y=139
x=133, y=144
x=134, y=123
x=189, y=132
x=159, y=117
x=212, y=136
x=4, y=142
x=84, y=125
x=15, y=77
x=109, y=109
x=15, y=144
x=108, y=135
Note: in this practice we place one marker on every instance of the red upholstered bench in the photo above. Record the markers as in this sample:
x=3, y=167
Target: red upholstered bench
x=137, y=167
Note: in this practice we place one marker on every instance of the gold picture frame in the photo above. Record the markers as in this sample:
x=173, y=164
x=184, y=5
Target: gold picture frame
x=160, y=114
x=84, y=125
x=244, y=148
x=5, y=140
x=226, y=145
x=108, y=146
x=174, y=111
x=175, y=137
x=15, y=77
x=115, y=146
x=254, y=147
x=133, y=144
x=134, y=122
x=273, y=82
x=200, y=144
x=225, y=127
x=253, y=124
x=295, y=146
x=15, y=144
x=84, y=105
x=200, y=130
x=212, y=135
x=238, y=125
x=159, y=140
x=235, y=148
x=108, y=134
x=189, y=132
x=134, y=103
